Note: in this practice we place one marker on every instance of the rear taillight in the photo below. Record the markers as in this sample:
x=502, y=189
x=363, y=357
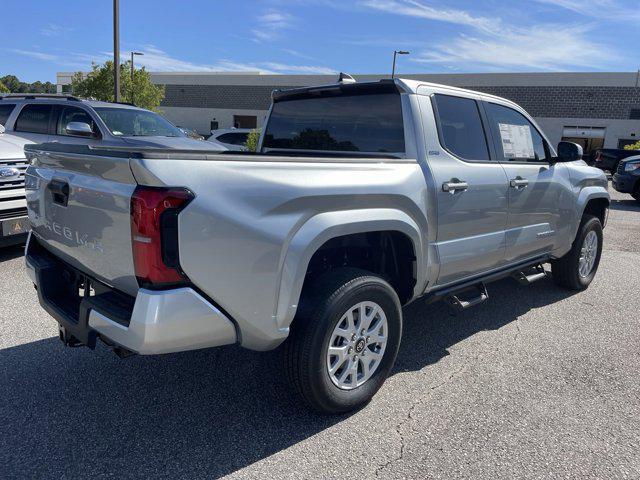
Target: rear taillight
x=598, y=156
x=154, y=235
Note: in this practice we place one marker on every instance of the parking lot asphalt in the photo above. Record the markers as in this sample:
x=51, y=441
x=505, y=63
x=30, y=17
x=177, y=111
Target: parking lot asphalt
x=538, y=382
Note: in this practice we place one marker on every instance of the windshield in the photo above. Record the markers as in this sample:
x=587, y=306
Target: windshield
x=136, y=123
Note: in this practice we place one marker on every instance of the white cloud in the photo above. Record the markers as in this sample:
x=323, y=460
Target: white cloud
x=416, y=9
x=603, y=9
x=34, y=54
x=155, y=59
x=535, y=49
x=53, y=30
x=270, y=25
x=495, y=44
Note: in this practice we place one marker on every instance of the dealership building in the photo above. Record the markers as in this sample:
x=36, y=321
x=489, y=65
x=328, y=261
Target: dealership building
x=594, y=109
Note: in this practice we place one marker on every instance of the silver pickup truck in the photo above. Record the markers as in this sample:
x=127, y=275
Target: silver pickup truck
x=362, y=197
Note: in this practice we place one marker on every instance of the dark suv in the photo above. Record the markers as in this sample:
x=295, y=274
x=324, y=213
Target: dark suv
x=627, y=178
x=67, y=119
x=609, y=158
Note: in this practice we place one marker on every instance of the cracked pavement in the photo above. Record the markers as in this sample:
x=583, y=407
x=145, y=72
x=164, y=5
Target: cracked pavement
x=535, y=383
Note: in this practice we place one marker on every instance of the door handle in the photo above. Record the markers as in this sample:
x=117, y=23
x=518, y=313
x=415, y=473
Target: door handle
x=454, y=185
x=518, y=182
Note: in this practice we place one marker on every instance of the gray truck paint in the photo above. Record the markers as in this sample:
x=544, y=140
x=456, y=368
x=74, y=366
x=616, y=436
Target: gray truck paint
x=247, y=237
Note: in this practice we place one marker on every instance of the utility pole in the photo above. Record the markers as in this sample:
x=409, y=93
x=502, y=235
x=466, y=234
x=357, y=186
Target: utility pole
x=397, y=52
x=132, y=74
x=116, y=50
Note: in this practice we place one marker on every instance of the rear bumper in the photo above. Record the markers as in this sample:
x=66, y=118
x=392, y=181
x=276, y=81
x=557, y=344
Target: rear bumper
x=153, y=322
x=624, y=183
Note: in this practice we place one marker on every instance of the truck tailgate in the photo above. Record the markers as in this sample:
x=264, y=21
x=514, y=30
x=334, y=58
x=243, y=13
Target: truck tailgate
x=79, y=208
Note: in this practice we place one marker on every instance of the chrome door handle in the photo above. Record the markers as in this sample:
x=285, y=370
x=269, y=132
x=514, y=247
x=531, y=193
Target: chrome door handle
x=453, y=185
x=518, y=182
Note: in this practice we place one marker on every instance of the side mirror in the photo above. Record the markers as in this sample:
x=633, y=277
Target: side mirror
x=1, y=128
x=569, y=152
x=79, y=129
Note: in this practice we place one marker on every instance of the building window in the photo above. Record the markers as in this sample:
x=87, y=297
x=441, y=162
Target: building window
x=245, y=121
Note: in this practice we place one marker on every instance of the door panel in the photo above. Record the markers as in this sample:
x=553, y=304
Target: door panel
x=535, y=187
x=471, y=190
x=533, y=210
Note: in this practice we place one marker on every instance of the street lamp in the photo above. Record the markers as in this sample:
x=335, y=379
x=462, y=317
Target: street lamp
x=116, y=51
x=132, y=71
x=397, y=52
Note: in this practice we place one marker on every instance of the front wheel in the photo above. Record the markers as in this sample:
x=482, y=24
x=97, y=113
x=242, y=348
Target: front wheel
x=578, y=267
x=344, y=340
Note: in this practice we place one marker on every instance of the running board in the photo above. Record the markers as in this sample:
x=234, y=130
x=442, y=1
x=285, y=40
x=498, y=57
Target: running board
x=459, y=304
x=529, y=275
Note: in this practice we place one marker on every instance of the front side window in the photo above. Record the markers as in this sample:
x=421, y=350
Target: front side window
x=517, y=140
x=129, y=122
x=5, y=111
x=73, y=114
x=344, y=123
x=461, y=128
x=34, y=119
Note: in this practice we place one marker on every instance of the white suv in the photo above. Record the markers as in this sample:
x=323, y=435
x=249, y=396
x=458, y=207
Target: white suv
x=234, y=139
x=14, y=223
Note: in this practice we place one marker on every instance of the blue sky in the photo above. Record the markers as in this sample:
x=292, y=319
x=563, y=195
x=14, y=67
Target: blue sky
x=324, y=36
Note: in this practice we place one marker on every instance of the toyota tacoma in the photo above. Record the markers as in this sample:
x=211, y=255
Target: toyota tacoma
x=361, y=198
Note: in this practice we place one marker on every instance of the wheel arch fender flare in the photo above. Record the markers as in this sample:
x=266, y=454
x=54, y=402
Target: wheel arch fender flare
x=320, y=228
x=586, y=195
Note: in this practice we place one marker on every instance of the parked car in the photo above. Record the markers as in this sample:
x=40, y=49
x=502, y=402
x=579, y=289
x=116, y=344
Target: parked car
x=363, y=197
x=14, y=223
x=609, y=158
x=627, y=177
x=234, y=139
x=42, y=118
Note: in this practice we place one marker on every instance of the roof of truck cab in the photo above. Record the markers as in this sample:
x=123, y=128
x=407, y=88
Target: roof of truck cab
x=406, y=85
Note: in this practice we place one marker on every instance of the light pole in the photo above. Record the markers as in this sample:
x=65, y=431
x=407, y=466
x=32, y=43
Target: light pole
x=397, y=52
x=116, y=50
x=132, y=72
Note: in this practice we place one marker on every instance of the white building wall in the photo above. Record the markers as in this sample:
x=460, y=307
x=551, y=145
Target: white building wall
x=200, y=118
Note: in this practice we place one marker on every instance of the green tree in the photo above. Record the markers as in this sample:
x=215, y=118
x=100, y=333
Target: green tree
x=3, y=88
x=252, y=140
x=98, y=84
x=14, y=85
x=633, y=146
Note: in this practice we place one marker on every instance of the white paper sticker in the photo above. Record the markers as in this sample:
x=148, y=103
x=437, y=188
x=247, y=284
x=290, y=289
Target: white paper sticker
x=516, y=141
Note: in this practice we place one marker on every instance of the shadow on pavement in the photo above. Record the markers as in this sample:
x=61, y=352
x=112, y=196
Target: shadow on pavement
x=73, y=412
x=11, y=252
x=627, y=205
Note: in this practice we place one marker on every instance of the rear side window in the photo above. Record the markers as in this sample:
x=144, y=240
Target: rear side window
x=517, y=139
x=233, y=138
x=73, y=114
x=461, y=130
x=5, y=111
x=34, y=119
x=345, y=123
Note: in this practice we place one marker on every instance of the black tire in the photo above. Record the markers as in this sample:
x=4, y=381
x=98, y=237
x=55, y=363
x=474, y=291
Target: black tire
x=322, y=306
x=565, y=270
x=636, y=192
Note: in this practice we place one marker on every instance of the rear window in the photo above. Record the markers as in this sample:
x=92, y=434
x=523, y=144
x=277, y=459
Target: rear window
x=345, y=123
x=461, y=130
x=5, y=111
x=34, y=119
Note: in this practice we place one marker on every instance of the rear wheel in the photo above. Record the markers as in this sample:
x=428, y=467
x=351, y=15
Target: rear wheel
x=344, y=340
x=636, y=192
x=578, y=267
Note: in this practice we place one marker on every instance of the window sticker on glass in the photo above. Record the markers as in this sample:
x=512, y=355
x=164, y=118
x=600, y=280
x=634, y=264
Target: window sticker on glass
x=516, y=141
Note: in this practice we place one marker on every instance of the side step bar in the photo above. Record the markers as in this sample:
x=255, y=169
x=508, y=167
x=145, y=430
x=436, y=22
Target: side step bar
x=529, y=275
x=459, y=303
